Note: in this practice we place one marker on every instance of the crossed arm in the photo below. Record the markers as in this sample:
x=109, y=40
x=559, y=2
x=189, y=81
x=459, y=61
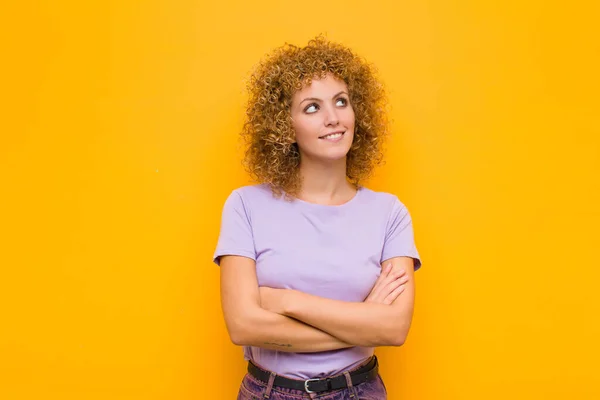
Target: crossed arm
x=290, y=320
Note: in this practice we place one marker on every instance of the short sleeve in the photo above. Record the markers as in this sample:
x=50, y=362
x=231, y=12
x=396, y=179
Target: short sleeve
x=399, y=237
x=235, y=237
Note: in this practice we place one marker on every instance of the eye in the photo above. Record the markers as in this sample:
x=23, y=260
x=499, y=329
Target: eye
x=311, y=108
x=342, y=100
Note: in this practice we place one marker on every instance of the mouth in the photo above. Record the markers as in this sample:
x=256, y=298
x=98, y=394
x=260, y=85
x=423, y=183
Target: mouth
x=333, y=135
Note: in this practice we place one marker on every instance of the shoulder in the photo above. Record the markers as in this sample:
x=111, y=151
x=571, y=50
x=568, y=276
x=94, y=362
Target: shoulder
x=253, y=190
x=251, y=196
x=252, y=193
x=385, y=200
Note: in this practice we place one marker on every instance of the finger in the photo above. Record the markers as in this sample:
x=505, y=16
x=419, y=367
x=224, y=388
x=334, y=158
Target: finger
x=386, y=295
x=386, y=276
x=385, y=271
x=393, y=276
x=376, y=286
x=395, y=283
x=400, y=272
x=400, y=284
x=381, y=289
x=391, y=286
x=395, y=273
x=394, y=294
x=388, y=268
x=402, y=277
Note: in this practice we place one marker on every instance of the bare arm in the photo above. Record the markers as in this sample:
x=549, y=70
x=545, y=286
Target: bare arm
x=249, y=324
x=364, y=324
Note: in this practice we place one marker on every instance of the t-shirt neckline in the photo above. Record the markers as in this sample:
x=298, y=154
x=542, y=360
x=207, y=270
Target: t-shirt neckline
x=331, y=206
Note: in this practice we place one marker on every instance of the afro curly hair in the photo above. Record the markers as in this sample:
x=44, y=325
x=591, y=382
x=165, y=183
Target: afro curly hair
x=271, y=156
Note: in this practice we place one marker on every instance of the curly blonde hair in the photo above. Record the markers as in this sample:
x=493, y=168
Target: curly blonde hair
x=271, y=155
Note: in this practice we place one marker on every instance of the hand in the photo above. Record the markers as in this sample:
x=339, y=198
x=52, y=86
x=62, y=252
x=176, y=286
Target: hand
x=388, y=286
x=272, y=299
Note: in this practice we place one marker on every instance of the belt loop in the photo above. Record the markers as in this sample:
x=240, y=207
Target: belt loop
x=270, y=385
x=351, y=388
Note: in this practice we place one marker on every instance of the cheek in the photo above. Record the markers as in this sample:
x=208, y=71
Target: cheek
x=304, y=128
x=350, y=117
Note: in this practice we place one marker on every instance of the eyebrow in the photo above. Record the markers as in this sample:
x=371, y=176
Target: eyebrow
x=315, y=99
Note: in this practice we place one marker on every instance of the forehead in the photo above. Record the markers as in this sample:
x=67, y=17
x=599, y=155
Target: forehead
x=321, y=88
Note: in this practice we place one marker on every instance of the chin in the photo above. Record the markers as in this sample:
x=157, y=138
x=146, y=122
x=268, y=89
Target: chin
x=334, y=157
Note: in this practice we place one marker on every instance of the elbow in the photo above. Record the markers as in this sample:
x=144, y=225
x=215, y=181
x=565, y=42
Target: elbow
x=242, y=331
x=396, y=336
x=397, y=340
x=246, y=327
x=391, y=337
x=240, y=336
x=236, y=335
x=237, y=339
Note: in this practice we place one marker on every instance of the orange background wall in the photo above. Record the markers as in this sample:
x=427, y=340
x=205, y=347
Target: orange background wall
x=119, y=124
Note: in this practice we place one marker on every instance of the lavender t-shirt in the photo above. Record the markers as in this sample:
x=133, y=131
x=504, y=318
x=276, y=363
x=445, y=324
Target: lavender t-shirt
x=329, y=251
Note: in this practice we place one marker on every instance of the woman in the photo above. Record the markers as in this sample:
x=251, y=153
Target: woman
x=316, y=270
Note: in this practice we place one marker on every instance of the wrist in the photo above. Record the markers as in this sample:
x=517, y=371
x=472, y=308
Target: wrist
x=288, y=301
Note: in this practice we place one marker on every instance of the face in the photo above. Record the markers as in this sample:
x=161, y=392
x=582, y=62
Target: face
x=323, y=120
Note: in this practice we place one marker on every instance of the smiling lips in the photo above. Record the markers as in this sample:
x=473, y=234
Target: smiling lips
x=333, y=137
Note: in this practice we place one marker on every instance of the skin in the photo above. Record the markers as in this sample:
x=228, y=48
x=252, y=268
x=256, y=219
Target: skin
x=254, y=316
x=289, y=320
x=369, y=324
x=316, y=110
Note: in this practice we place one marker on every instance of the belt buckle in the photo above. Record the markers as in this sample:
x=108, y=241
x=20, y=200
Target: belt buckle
x=306, y=385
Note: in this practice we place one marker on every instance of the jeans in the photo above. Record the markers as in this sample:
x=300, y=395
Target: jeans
x=253, y=389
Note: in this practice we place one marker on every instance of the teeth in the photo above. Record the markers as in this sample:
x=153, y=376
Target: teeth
x=333, y=136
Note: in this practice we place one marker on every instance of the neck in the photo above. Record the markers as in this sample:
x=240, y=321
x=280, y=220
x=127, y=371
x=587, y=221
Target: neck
x=325, y=183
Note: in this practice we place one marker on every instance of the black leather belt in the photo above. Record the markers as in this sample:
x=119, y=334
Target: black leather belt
x=363, y=374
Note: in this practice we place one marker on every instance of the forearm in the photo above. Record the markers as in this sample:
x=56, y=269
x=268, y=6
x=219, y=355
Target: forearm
x=360, y=323
x=262, y=328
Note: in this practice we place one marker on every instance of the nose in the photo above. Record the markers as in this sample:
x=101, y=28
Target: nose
x=331, y=117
